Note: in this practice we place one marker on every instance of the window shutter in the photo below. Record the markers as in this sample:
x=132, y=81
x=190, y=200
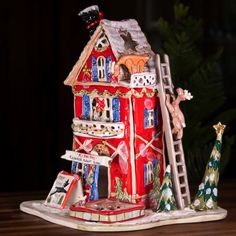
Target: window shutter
x=94, y=69
x=85, y=107
x=145, y=118
x=155, y=117
x=154, y=163
x=108, y=59
x=145, y=174
x=74, y=167
x=94, y=186
x=86, y=172
x=116, y=109
x=152, y=172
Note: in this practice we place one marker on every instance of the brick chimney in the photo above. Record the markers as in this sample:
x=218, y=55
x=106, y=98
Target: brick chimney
x=91, y=16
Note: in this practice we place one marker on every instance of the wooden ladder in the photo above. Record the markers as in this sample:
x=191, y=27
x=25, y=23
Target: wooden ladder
x=174, y=146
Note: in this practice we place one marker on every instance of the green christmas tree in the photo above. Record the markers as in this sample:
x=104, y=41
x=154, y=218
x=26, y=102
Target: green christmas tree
x=206, y=197
x=191, y=68
x=155, y=192
x=122, y=195
x=167, y=199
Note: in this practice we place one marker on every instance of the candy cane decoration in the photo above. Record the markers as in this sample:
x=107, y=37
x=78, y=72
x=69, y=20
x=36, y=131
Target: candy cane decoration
x=122, y=151
x=148, y=144
x=86, y=145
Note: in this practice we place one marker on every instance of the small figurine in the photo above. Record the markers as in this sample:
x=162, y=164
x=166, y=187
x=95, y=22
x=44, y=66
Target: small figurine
x=178, y=120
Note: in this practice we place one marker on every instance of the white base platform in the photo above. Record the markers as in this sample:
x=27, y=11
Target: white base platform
x=150, y=220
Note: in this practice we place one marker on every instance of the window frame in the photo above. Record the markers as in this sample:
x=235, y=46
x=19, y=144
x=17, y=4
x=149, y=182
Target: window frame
x=101, y=68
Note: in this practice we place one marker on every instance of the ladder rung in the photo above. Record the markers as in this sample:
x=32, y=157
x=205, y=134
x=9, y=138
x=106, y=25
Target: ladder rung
x=178, y=152
x=168, y=87
x=182, y=185
x=184, y=195
x=181, y=174
x=166, y=76
x=179, y=163
x=177, y=142
x=164, y=64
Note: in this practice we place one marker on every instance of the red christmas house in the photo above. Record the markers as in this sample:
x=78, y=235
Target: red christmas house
x=117, y=118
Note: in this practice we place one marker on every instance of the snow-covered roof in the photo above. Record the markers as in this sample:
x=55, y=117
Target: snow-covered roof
x=125, y=37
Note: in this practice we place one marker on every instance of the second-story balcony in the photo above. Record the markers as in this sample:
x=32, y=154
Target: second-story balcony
x=97, y=129
x=140, y=80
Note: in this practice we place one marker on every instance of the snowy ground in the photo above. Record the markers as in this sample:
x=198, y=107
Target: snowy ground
x=150, y=220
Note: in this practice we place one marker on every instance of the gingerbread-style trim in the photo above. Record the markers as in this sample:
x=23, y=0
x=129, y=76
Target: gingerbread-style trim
x=106, y=93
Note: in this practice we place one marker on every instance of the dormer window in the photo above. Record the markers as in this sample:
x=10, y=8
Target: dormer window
x=101, y=68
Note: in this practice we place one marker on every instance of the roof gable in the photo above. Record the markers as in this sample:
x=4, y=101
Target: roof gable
x=125, y=37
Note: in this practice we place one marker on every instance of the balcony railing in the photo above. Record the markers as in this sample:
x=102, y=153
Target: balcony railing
x=144, y=79
x=99, y=129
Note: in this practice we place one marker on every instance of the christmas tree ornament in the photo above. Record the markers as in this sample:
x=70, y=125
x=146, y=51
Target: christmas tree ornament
x=206, y=197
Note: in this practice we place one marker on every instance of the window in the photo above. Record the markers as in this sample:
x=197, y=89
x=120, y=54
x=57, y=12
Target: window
x=150, y=118
x=101, y=109
x=101, y=68
x=106, y=109
x=148, y=173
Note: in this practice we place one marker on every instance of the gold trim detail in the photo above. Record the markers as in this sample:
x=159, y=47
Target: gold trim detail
x=106, y=93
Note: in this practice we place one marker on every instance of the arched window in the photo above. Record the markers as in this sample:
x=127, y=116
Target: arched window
x=101, y=68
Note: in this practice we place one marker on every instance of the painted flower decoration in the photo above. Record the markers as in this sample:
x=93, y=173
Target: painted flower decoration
x=148, y=104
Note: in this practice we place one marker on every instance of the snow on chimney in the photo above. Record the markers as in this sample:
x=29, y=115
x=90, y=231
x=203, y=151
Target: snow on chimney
x=91, y=16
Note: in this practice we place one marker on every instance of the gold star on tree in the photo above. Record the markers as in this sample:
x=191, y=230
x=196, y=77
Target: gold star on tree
x=219, y=128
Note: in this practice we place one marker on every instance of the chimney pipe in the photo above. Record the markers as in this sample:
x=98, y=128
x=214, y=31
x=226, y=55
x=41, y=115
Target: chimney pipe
x=91, y=16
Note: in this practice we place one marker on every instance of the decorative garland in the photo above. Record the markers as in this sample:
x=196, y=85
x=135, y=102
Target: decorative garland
x=106, y=93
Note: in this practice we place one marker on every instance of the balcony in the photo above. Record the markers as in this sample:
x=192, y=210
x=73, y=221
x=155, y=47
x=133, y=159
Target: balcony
x=140, y=80
x=97, y=129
